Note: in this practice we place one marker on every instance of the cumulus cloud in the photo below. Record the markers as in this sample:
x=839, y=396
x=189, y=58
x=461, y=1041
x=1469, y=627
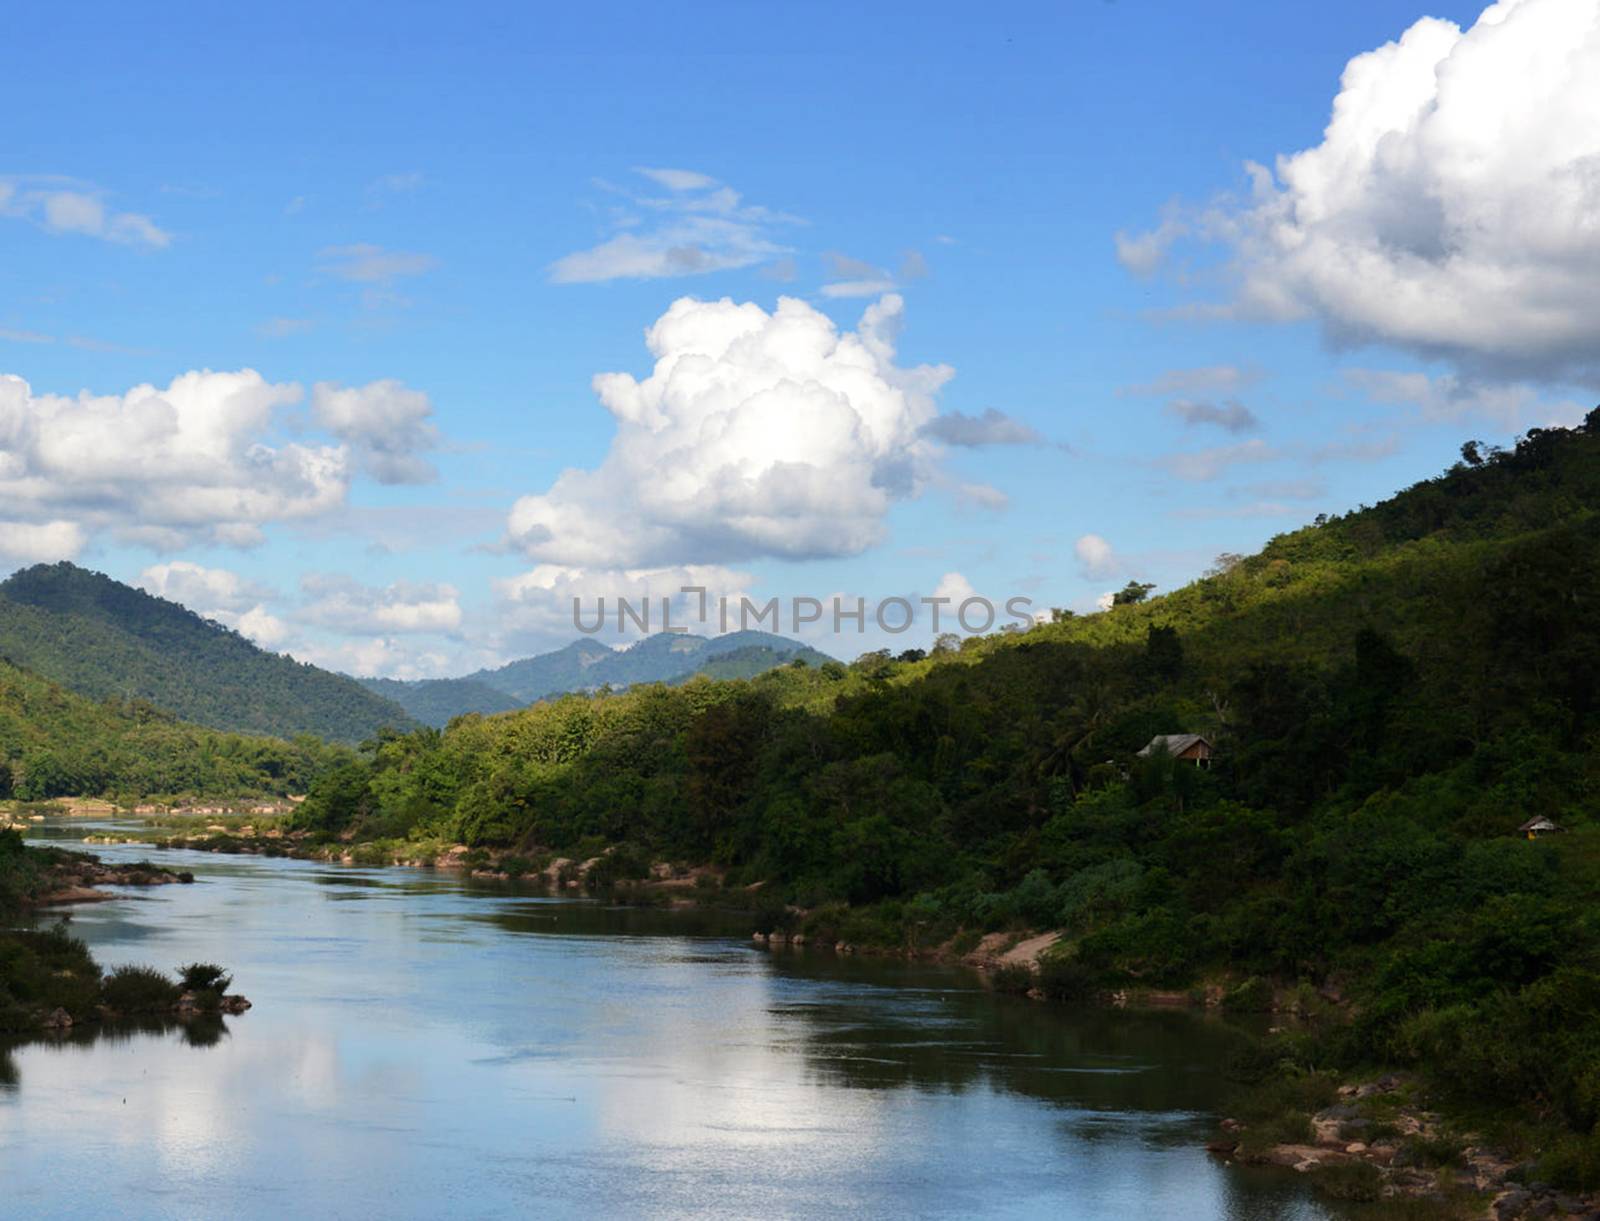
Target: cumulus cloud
x=552, y=603
x=698, y=226
x=757, y=434
x=195, y=461
x=61, y=206
x=24, y=542
x=219, y=594
x=1453, y=206
x=404, y=607
x=1096, y=558
x=163, y=466
x=1231, y=415
x=973, y=431
x=385, y=424
x=201, y=589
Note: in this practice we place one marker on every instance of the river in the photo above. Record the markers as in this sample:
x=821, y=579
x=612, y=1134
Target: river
x=424, y=1045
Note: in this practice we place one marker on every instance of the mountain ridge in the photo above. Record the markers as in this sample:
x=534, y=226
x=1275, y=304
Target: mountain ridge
x=100, y=638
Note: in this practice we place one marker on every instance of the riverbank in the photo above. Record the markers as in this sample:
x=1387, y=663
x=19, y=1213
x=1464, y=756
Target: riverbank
x=48, y=979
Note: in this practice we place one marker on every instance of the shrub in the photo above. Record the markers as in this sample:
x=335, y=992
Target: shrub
x=1065, y=979
x=203, y=977
x=1012, y=977
x=138, y=990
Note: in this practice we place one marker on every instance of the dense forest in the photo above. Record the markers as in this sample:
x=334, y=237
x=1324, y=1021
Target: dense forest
x=106, y=640
x=54, y=743
x=1390, y=693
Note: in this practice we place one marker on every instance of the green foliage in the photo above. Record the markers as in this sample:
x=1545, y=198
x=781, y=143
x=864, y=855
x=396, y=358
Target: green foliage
x=132, y=989
x=1390, y=693
x=108, y=641
x=203, y=977
x=54, y=743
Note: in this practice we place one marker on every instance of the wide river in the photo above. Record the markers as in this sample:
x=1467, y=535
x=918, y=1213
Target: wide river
x=426, y=1046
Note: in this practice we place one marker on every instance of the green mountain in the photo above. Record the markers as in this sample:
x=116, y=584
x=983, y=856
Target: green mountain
x=106, y=640
x=438, y=701
x=587, y=665
x=1391, y=695
x=54, y=743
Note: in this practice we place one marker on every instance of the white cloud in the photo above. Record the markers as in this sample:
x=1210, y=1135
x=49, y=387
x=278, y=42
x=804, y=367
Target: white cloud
x=36, y=542
x=1208, y=379
x=678, y=180
x=955, y=587
x=1453, y=205
x=262, y=627
x=1143, y=253
x=61, y=206
x=385, y=424
x=345, y=605
x=364, y=263
x=163, y=467
x=699, y=226
x=1510, y=405
x=1096, y=557
x=1230, y=416
x=857, y=288
x=536, y=608
x=757, y=434
x=219, y=594
x=201, y=589
x=380, y=656
x=973, y=431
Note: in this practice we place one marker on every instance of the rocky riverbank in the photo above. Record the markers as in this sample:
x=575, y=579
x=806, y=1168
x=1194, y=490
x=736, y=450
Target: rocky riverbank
x=1380, y=1141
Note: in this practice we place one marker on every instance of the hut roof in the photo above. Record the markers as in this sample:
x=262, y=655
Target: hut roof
x=1172, y=743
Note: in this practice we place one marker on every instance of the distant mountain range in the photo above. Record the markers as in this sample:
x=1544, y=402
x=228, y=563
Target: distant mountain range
x=106, y=640
x=587, y=665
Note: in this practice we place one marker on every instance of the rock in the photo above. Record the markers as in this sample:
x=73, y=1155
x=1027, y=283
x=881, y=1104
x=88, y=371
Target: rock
x=1222, y=1146
x=759, y=938
x=235, y=1004
x=57, y=1019
x=1340, y=1111
x=1231, y=1125
x=1355, y=1147
x=797, y=939
x=1511, y=1204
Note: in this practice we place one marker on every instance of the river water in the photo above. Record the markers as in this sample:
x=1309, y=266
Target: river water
x=423, y=1045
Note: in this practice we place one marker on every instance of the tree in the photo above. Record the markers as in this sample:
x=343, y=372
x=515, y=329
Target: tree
x=1132, y=593
x=946, y=643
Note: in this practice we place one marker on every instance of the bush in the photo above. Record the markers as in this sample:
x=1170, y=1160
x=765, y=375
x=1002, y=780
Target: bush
x=203, y=977
x=1066, y=979
x=138, y=990
x=1012, y=977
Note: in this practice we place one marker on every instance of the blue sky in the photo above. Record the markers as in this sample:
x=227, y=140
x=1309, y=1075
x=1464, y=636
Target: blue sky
x=454, y=221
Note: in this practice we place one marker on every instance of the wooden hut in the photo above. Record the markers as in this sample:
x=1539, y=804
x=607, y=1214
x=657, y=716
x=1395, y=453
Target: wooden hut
x=1190, y=747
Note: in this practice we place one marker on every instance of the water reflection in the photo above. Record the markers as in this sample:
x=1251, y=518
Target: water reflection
x=422, y=1044
x=199, y=1031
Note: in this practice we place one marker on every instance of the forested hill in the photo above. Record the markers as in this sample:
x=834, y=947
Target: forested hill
x=587, y=665
x=1391, y=694
x=57, y=744
x=103, y=639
